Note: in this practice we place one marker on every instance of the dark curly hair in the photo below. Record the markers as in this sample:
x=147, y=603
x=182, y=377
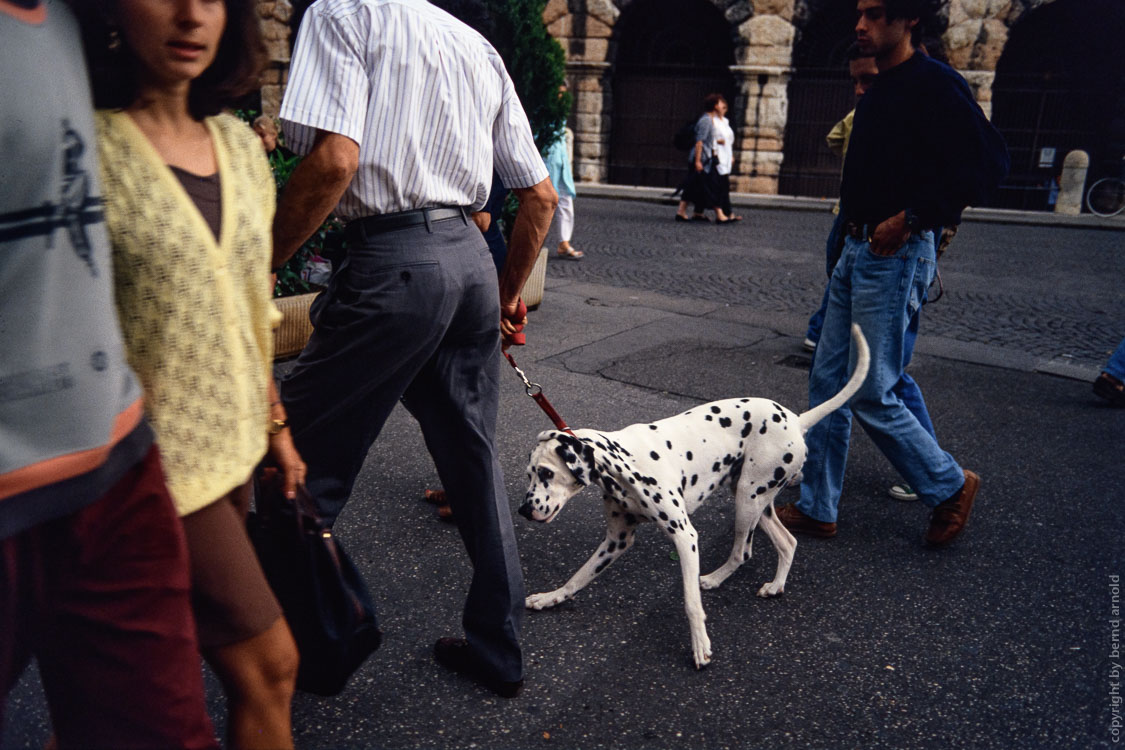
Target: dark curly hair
x=711, y=101
x=235, y=72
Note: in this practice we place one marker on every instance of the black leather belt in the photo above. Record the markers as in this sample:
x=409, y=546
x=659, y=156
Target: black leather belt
x=368, y=226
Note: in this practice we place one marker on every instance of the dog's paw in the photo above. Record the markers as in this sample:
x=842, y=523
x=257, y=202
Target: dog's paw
x=702, y=657
x=544, y=601
x=711, y=581
x=773, y=588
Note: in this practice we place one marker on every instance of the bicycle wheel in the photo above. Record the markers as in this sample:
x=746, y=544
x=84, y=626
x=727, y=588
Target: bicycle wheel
x=1106, y=196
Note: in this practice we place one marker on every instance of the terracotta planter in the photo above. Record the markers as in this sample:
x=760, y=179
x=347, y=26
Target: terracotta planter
x=533, y=288
x=293, y=333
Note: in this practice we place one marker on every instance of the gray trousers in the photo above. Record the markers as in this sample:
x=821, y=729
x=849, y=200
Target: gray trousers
x=414, y=314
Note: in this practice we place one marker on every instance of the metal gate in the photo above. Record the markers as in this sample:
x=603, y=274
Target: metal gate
x=649, y=106
x=818, y=99
x=1041, y=118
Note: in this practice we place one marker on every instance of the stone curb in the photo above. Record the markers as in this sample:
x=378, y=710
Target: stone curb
x=798, y=203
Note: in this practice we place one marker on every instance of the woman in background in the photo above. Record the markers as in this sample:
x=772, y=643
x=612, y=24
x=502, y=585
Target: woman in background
x=189, y=203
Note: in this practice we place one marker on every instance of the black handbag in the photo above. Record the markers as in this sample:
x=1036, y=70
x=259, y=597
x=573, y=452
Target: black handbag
x=325, y=601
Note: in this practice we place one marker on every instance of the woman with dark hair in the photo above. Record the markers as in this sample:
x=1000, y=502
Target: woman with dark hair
x=700, y=186
x=189, y=202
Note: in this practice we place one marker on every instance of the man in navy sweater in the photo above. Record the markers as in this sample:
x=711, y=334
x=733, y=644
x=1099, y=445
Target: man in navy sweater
x=921, y=150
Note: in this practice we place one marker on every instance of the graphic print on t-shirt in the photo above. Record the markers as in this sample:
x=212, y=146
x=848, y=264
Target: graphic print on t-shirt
x=73, y=211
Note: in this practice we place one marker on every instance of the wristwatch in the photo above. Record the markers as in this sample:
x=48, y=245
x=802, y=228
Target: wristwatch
x=277, y=425
x=913, y=220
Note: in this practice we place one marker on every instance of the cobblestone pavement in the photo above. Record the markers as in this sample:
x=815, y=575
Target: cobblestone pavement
x=1052, y=292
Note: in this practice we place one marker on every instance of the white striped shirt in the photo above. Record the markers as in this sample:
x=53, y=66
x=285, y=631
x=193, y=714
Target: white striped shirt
x=427, y=99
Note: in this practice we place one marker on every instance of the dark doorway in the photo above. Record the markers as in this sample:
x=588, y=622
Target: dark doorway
x=820, y=94
x=670, y=54
x=1060, y=86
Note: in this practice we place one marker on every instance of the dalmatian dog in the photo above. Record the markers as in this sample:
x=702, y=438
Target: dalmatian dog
x=662, y=471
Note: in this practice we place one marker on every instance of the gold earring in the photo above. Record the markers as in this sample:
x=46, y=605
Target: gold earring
x=114, y=40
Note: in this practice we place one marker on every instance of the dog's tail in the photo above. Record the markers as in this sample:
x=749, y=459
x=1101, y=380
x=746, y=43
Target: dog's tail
x=863, y=360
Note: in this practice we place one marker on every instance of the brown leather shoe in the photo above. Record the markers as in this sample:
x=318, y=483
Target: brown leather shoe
x=799, y=523
x=455, y=654
x=950, y=518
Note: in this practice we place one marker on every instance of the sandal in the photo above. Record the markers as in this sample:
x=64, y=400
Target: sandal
x=1110, y=388
x=682, y=218
x=437, y=497
x=570, y=252
x=730, y=220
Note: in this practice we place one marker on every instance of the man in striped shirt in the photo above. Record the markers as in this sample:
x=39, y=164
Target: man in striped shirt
x=402, y=113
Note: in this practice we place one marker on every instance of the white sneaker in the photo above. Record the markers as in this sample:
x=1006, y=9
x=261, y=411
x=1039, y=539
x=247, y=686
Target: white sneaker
x=809, y=345
x=903, y=492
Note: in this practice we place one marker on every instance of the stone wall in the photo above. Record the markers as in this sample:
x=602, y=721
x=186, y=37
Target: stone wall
x=275, y=29
x=975, y=36
x=765, y=33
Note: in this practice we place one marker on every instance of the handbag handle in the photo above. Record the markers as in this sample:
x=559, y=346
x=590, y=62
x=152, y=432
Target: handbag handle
x=268, y=497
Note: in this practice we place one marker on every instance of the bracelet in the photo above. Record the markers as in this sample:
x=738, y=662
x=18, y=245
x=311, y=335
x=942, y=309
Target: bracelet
x=277, y=425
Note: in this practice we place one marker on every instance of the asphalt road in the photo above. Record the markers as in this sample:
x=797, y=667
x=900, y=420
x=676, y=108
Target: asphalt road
x=1002, y=640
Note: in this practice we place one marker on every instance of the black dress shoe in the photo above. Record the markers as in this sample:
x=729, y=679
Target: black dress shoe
x=454, y=654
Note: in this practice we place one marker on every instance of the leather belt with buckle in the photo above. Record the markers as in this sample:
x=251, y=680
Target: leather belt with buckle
x=359, y=229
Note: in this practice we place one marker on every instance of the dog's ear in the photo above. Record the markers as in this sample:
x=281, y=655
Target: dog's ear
x=546, y=435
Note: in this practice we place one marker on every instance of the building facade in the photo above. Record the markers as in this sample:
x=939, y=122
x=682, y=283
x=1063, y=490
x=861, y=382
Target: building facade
x=1046, y=70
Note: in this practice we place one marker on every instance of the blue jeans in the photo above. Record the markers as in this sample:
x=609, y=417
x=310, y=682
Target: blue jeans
x=1116, y=364
x=906, y=389
x=881, y=294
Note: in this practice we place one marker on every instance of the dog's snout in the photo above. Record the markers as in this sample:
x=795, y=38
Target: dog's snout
x=525, y=511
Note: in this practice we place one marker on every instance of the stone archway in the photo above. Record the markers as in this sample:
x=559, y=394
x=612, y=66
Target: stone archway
x=762, y=38
x=1059, y=86
x=664, y=66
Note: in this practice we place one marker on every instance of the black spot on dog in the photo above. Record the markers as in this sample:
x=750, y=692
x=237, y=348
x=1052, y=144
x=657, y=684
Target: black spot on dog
x=601, y=566
x=745, y=556
x=675, y=502
x=724, y=422
x=747, y=429
x=611, y=547
x=745, y=416
x=646, y=492
x=779, y=473
x=763, y=430
x=776, y=417
x=743, y=400
x=709, y=418
x=654, y=455
x=760, y=491
x=787, y=458
x=693, y=548
x=688, y=455
x=728, y=460
x=621, y=535
x=715, y=410
x=694, y=479
x=669, y=444
x=630, y=519
x=715, y=467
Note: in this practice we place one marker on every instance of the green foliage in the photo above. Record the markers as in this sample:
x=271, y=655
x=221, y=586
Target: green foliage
x=537, y=64
x=535, y=61
x=328, y=236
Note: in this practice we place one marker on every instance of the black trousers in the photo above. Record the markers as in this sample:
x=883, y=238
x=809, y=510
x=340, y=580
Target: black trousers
x=414, y=314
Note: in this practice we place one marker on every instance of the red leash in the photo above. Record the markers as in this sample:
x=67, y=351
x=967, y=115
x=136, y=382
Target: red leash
x=536, y=392
x=532, y=389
